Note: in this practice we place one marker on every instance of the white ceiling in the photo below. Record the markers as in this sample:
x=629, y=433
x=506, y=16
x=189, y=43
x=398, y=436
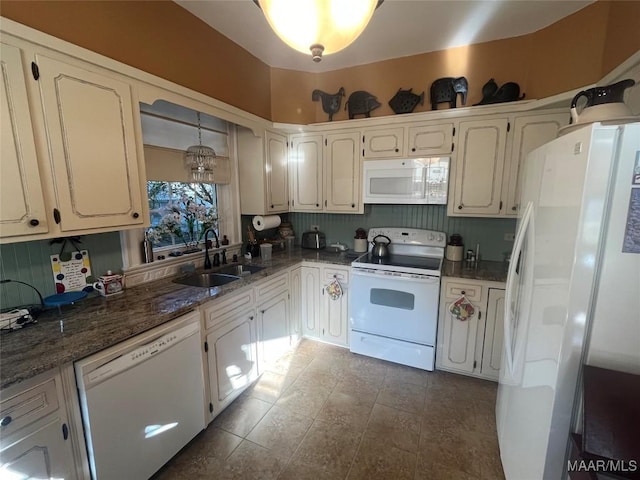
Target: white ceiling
x=398, y=28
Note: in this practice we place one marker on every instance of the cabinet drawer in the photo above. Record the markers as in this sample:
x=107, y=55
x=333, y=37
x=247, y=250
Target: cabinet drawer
x=218, y=311
x=271, y=287
x=29, y=406
x=341, y=275
x=455, y=290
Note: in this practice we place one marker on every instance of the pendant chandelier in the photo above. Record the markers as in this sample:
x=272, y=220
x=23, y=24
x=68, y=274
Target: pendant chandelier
x=318, y=26
x=200, y=160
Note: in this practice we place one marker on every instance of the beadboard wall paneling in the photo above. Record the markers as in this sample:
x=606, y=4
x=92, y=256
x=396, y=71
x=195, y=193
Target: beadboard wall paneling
x=30, y=262
x=488, y=232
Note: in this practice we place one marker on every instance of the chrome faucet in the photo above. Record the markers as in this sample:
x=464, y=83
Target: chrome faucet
x=207, y=260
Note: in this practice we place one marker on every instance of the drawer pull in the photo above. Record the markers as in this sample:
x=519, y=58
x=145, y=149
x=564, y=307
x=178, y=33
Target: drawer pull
x=34, y=222
x=6, y=421
x=65, y=431
x=463, y=292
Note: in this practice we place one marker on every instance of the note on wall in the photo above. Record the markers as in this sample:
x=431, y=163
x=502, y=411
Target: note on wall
x=72, y=275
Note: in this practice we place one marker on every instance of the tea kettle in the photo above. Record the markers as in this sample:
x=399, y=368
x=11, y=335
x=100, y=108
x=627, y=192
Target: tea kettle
x=380, y=249
x=603, y=103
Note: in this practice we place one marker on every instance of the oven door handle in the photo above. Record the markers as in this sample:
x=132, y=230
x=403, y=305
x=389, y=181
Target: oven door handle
x=403, y=276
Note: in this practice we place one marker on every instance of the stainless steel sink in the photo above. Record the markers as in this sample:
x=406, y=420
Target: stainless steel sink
x=206, y=279
x=241, y=270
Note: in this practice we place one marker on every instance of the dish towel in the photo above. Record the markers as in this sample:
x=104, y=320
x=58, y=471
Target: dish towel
x=334, y=289
x=462, y=309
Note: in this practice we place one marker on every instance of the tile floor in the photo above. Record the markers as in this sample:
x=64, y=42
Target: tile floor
x=322, y=412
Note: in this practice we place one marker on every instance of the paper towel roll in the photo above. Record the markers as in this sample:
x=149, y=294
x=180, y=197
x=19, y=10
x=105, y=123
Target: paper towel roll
x=265, y=222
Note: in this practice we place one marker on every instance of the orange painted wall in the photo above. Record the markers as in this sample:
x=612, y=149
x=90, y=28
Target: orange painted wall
x=162, y=38
x=158, y=37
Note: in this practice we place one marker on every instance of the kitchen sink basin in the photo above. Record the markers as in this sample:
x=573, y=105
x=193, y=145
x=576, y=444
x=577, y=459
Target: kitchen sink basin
x=241, y=270
x=206, y=279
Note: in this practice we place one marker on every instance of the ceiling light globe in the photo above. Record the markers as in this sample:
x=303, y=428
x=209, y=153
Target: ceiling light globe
x=318, y=26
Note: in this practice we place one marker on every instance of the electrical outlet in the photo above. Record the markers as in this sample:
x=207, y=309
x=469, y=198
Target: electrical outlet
x=509, y=237
x=315, y=228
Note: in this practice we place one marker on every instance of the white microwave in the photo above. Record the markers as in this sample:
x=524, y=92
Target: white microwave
x=411, y=181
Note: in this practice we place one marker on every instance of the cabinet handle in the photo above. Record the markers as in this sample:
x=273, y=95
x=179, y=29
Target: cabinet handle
x=459, y=207
x=262, y=312
x=65, y=431
x=56, y=215
x=413, y=149
x=514, y=208
x=353, y=205
x=5, y=421
x=135, y=215
x=325, y=203
x=251, y=317
x=317, y=204
x=271, y=206
x=34, y=222
x=463, y=292
x=397, y=150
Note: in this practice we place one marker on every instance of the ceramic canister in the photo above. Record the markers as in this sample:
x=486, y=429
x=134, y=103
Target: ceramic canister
x=360, y=245
x=454, y=253
x=109, y=284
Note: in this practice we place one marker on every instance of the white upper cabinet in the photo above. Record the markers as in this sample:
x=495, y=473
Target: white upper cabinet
x=70, y=157
x=276, y=170
x=89, y=123
x=306, y=173
x=342, y=173
x=529, y=133
x=430, y=139
x=424, y=139
x=22, y=207
x=262, y=166
x=383, y=143
x=477, y=172
x=489, y=160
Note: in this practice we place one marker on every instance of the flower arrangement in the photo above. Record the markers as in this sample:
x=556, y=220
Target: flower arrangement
x=187, y=220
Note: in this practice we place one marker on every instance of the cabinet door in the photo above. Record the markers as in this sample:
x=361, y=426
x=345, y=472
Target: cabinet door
x=310, y=303
x=458, y=338
x=305, y=159
x=22, y=208
x=232, y=359
x=383, y=143
x=273, y=329
x=276, y=171
x=335, y=311
x=479, y=166
x=342, y=173
x=42, y=452
x=530, y=132
x=295, y=304
x=429, y=140
x=493, y=335
x=92, y=143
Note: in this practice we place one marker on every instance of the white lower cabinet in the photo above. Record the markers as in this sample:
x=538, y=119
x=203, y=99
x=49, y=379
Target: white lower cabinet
x=325, y=317
x=232, y=358
x=273, y=329
x=35, y=435
x=472, y=346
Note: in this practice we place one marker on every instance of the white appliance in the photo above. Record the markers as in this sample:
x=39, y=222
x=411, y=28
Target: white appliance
x=393, y=309
x=142, y=400
x=574, y=252
x=406, y=181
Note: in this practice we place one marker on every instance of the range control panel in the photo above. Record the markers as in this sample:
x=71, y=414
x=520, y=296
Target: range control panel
x=410, y=236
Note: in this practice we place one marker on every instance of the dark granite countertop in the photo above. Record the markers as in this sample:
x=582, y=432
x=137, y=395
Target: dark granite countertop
x=96, y=323
x=486, y=270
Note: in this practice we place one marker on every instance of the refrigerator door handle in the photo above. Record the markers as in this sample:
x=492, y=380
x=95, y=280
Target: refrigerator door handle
x=517, y=247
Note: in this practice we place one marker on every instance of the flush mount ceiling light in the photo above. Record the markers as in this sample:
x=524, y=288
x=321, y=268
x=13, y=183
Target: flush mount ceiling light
x=319, y=26
x=200, y=160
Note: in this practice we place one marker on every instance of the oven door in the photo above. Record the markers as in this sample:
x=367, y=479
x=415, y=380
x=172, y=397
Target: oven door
x=396, y=305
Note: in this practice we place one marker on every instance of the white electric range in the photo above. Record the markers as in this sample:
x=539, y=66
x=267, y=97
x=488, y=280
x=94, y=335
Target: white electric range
x=393, y=310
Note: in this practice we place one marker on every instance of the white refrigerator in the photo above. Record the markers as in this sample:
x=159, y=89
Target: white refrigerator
x=573, y=290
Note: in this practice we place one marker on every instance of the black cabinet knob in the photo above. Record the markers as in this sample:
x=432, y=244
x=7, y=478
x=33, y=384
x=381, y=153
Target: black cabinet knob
x=271, y=206
x=459, y=207
x=5, y=421
x=514, y=208
x=413, y=149
x=135, y=215
x=353, y=205
x=397, y=150
x=317, y=204
x=34, y=222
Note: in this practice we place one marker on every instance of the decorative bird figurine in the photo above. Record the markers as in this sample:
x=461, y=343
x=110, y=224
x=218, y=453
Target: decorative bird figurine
x=330, y=102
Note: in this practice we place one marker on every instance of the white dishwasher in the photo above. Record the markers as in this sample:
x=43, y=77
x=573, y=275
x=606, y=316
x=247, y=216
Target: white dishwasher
x=142, y=400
